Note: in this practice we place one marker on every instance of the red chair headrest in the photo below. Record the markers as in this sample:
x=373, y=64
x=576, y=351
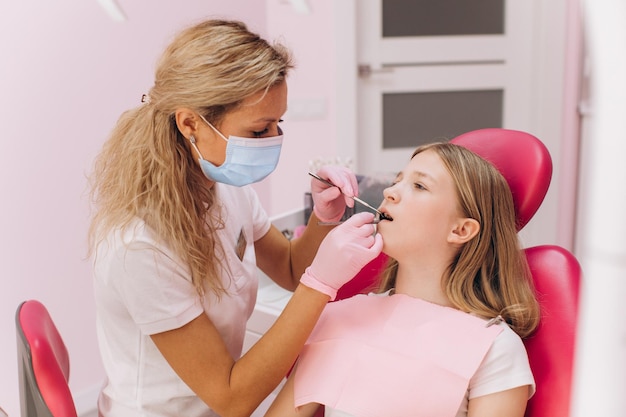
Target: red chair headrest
x=523, y=160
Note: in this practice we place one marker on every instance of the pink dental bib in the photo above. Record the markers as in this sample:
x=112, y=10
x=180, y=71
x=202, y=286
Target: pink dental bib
x=386, y=356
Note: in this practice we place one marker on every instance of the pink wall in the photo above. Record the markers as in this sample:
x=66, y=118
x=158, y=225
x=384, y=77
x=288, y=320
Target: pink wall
x=67, y=71
x=311, y=40
x=571, y=125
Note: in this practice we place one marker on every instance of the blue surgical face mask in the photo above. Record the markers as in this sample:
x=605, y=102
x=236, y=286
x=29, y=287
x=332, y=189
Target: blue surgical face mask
x=248, y=160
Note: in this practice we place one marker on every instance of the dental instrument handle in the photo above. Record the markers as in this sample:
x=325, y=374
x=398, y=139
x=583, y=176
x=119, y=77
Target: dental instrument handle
x=375, y=221
x=358, y=200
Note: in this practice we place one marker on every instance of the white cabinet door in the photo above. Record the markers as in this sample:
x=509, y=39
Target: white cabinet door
x=432, y=69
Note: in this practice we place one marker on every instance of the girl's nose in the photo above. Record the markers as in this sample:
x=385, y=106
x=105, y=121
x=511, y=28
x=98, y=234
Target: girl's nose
x=390, y=194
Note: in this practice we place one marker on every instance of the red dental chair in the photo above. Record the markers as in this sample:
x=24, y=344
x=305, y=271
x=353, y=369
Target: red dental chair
x=525, y=163
x=43, y=364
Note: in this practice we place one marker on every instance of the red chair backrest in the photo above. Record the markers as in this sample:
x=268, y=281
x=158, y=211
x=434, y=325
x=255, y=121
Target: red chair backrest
x=44, y=365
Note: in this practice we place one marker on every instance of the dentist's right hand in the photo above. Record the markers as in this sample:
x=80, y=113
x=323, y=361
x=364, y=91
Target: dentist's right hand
x=342, y=254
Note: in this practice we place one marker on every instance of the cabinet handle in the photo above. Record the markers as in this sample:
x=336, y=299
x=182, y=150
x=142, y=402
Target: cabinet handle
x=365, y=70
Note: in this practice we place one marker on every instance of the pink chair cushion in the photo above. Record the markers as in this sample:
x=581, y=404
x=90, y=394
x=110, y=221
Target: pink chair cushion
x=50, y=359
x=515, y=154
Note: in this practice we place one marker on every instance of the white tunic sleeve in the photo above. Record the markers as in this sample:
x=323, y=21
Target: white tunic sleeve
x=155, y=287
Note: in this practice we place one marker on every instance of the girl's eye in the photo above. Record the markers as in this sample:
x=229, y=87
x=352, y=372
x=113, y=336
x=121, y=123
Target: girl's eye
x=419, y=186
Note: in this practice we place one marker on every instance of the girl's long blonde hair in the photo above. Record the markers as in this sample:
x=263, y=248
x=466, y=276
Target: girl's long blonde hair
x=146, y=170
x=490, y=275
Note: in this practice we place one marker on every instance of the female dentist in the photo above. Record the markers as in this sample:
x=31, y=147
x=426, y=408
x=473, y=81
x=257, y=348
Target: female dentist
x=177, y=234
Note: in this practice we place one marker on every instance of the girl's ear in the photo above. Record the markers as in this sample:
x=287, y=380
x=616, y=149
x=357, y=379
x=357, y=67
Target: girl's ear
x=465, y=229
x=186, y=121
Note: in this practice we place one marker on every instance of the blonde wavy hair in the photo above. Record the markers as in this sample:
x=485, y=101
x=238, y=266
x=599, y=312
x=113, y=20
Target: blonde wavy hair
x=489, y=275
x=146, y=169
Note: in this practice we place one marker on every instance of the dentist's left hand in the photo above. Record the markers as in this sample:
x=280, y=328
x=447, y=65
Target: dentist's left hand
x=342, y=254
x=329, y=203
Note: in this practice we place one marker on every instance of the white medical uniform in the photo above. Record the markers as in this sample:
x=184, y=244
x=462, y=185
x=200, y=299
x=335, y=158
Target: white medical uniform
x=143, y=288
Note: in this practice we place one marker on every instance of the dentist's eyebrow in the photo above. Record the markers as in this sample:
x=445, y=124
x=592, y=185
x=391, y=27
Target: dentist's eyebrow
x=267, y=119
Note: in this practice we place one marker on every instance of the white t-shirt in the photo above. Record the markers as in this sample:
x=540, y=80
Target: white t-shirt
x=505, y=366
x=142, y=288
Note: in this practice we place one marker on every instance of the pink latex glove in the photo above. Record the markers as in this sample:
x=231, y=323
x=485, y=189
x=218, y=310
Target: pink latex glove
x=329, y=203
x=342, y=254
